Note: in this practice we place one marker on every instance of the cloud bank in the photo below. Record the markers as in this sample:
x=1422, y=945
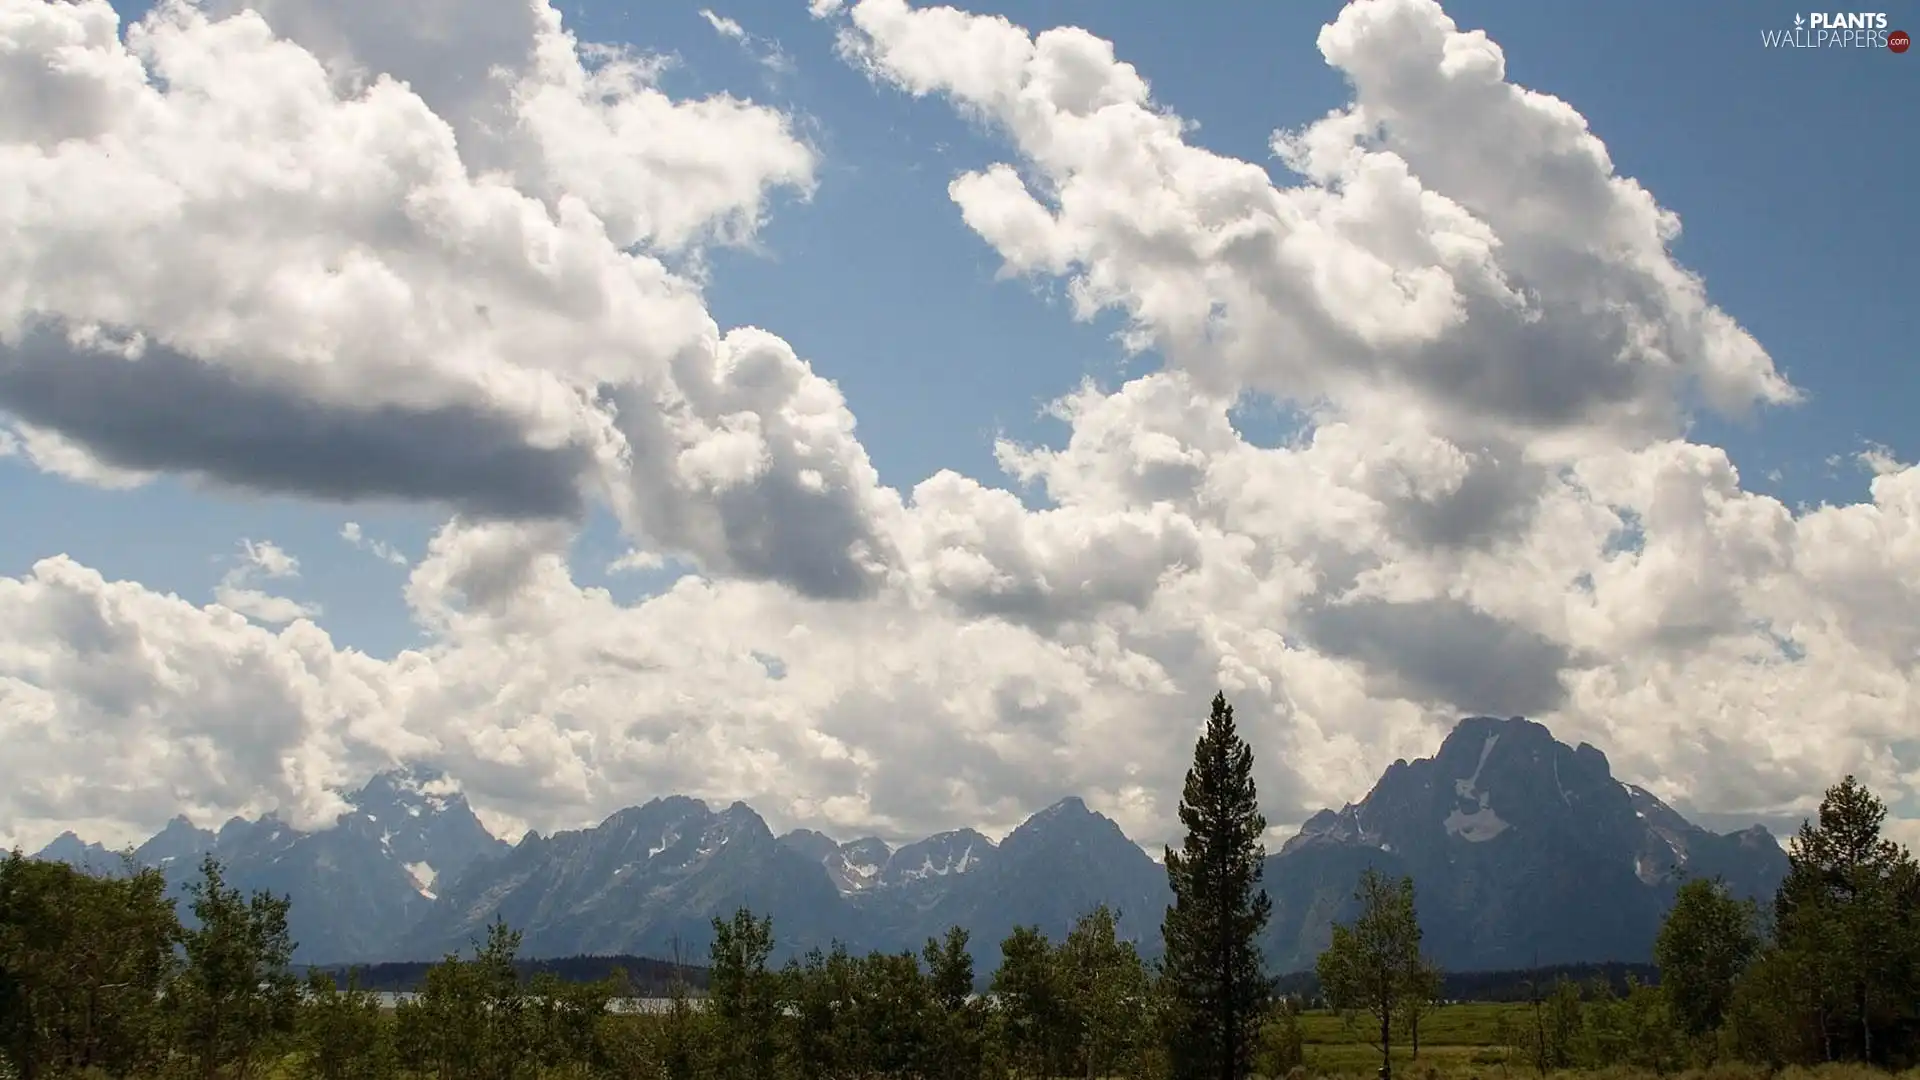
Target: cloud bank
x=327, y=250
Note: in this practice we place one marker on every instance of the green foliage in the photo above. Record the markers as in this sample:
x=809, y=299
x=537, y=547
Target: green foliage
x=1283, y=1041
x=1217, y=988
x=82, y=963
x=470, y=1019
x=818, y=993
x=1706, y=942
x=1374, y=965
x=566, y=1018
x=1636, y=1030
x=1557, y=1025
x=1420, y=988
x=892, y=1015
x=957, y=1042
x=1770, y=1015
x=1849, y=916
x=342, y=1034
x=1105, y=994
x=235, y=1000
x=1031, y=1002
x=742, y=996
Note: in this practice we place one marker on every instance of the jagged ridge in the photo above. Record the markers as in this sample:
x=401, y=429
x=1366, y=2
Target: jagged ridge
x=1525, y=851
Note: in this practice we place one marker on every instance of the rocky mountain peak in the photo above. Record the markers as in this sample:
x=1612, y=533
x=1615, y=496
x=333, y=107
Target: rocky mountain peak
x=1521, y=836
x=70, y=849
x=418, y=816
x=178, y=841
x=741, y=818
x=1067, y=820
x=817, y=846
x=958, y=851
x=868, y=849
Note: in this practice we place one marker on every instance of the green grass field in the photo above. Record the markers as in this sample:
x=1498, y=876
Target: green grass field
x=1455, y=1040
x=1471, y=1024
x=1458, y=1042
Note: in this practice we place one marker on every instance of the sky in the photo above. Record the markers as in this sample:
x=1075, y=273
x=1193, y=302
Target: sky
x=900, y=417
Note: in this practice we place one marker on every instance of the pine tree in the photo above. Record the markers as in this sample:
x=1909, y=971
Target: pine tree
x=956, y=1017
x=1217, y=989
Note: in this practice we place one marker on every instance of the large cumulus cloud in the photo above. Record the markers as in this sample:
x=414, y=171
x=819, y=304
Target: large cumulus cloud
x=229, y=259
x=352, y=258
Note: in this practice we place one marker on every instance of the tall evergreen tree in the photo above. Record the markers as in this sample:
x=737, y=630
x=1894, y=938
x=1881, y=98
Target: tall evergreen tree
x=1218, y=991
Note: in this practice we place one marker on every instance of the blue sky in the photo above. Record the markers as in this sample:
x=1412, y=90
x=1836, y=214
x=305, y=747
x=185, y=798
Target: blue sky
x=1790, y=170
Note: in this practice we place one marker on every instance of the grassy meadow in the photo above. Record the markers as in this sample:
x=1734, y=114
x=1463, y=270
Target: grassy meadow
x=1455, y=1040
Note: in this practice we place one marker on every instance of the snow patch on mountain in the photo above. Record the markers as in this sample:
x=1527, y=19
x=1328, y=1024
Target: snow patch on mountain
x=424, y=876
x=951, y=864
x=942, y=855
x=1469, y=788
x=1480, y=824
x=856, y=866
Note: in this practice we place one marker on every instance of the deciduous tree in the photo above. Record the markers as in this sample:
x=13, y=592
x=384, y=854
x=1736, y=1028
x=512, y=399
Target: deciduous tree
x=1850, y=908
x=742, y=996
x=1106, y=986
x=1709, y=938
x=1031, y=1002
x=342, y=1034
x=1374, y=964
x=236, y=996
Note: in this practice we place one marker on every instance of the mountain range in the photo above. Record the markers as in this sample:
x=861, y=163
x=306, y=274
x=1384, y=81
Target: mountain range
x=1524, y=852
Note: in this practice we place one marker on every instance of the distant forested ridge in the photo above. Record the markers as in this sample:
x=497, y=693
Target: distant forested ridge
x=645, y=976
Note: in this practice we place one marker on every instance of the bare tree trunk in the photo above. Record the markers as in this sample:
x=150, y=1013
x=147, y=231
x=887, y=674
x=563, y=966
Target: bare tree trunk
x=1866, y=1026
x=1386, y=1039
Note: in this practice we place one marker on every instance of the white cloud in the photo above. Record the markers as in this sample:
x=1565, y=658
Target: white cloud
x=387, y=292
x=262, y=560
x=765, y=52
x=268, y=559
x=725, y=27
x=326, y=296
x=1460, y=242
x=115, y=699
x=379, y=549
x=51, y=452
x=634, y=560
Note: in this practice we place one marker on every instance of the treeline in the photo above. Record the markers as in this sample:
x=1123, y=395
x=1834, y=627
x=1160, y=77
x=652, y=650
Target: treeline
x=651, y=978
x=644, y=976
x=99, y=977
